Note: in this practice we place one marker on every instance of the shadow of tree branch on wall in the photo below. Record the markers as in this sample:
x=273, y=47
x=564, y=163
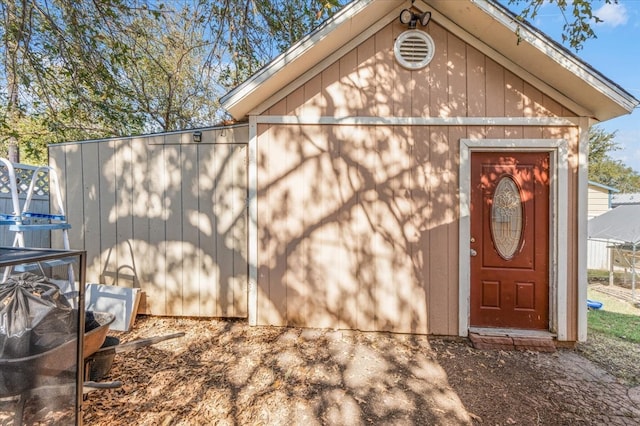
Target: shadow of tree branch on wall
x=167, y=217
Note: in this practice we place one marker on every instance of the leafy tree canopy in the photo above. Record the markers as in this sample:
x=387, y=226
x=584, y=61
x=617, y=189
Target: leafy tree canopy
x=87, y=70
x=578, y=16
x=606, y=170
x=77, y=70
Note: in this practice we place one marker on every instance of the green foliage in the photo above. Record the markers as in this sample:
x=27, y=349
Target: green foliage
x=66, y=81
x=578, y=16
x=87, y=70
x=262, y=29
x=604, y=169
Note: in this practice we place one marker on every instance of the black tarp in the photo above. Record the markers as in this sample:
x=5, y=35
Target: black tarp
x=34, y=316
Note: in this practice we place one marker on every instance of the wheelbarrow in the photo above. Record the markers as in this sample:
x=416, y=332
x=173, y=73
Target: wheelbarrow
x=51, y=372
x=20, y=374
x=98, y=364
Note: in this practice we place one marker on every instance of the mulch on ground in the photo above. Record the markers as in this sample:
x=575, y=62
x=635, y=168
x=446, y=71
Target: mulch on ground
x=224, y=372
x=227, y=373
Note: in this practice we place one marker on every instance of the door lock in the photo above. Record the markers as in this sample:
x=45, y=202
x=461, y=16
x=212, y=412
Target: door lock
x=473, y=253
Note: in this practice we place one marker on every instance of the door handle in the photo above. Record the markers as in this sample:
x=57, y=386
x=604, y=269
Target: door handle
x=473, y=253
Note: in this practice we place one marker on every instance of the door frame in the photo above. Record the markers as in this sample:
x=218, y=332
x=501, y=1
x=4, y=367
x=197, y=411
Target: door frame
x=558, y=220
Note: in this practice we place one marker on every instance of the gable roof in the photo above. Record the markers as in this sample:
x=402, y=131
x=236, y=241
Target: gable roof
x=485, y=24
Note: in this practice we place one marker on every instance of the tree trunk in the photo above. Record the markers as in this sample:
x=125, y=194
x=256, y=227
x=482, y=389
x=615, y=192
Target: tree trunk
x=14, y=26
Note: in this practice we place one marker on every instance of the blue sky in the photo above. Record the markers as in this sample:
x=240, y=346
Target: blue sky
x=616, y=54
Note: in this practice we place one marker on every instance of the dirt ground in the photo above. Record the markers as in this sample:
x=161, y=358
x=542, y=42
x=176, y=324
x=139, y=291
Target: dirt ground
x=226, y=373
x=223, y=372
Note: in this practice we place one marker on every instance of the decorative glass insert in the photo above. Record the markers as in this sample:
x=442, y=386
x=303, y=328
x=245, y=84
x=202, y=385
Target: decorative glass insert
x=506, y=217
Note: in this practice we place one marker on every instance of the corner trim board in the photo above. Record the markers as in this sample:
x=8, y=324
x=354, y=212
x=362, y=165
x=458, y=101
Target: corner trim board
x=252, y=231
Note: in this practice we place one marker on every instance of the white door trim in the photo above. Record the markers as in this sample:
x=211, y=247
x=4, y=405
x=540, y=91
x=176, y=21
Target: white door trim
x=558, y=220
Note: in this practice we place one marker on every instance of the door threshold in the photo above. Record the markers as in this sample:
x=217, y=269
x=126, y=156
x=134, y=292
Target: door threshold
x=511, y=332
x=512, y=339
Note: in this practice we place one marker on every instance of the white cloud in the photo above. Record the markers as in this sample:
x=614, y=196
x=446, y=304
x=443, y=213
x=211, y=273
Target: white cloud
x=612, y=14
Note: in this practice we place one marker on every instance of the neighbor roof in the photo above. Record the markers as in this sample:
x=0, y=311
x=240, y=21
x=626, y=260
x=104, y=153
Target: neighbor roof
x=622, y=199
x=601, y=186
x=621, y=224
x=485, y=24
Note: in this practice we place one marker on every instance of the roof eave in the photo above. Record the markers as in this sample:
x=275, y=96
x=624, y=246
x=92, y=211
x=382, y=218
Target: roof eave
x=530, y=47
x=305, y=52
x=549, y=62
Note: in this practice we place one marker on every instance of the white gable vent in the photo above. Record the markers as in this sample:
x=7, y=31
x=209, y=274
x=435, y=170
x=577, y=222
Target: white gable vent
x=414, y=49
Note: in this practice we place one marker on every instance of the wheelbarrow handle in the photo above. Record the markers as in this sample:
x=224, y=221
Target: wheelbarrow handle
x=137, y=344
x=91, y=386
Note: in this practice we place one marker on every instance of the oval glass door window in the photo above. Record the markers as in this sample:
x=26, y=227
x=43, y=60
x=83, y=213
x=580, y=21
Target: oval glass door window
x=506, y=217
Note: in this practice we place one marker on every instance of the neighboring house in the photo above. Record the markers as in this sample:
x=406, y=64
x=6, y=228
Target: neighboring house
x=600, y=201
x=602, y=254
x=428, y=180
x=624, y=199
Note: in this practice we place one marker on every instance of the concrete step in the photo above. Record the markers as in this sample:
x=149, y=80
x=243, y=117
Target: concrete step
x=510, y=340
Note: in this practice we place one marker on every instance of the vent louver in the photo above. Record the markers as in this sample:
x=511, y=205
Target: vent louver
x=414, y=49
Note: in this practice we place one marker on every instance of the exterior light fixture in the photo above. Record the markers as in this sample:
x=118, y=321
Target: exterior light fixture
x=409, y=17
x=197, y=136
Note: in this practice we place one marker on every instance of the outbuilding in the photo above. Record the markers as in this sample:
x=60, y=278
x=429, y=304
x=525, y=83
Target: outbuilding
x=421, y=167
x=412, y=167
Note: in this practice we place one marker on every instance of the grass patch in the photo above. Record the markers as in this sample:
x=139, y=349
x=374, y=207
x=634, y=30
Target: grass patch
x=614, y=324
x=618, y=318
x=597, y=275
x=602, y=277
x=613, y=336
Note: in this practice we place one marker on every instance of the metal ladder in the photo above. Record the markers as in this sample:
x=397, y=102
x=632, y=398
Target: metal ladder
x=14, y=216
x=24, y=220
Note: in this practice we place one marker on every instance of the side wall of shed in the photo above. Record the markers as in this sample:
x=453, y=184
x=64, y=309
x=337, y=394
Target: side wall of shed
x=359, y=220
x=163, y=214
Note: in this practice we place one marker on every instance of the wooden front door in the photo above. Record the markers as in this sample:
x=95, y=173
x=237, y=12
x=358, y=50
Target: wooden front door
x=510, y=240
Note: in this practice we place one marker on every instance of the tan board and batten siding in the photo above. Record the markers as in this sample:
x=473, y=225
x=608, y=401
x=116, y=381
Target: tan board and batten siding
x=164, y=214
x=358, y=225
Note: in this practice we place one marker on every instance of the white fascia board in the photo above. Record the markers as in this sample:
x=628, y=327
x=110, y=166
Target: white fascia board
x=560, y=56
x=231, y=99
